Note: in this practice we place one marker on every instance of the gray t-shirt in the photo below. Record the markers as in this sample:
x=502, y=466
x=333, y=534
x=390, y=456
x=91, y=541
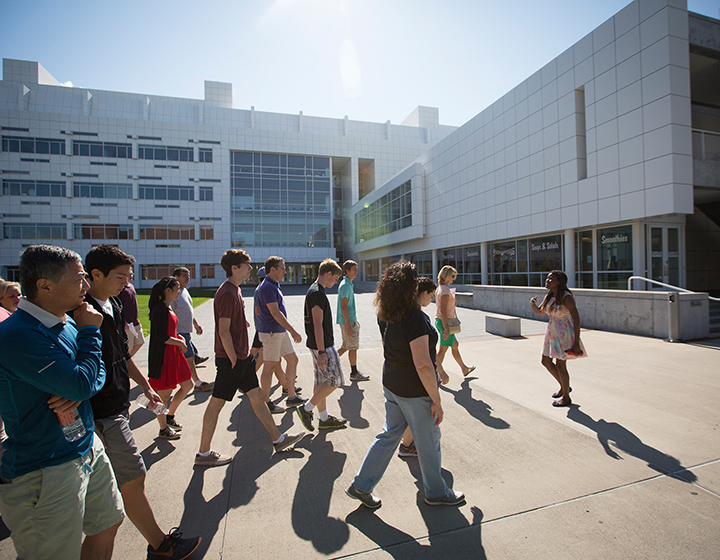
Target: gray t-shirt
x=183, y=308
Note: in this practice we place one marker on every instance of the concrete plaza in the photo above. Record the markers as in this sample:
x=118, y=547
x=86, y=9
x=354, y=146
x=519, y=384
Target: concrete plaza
x=630, y=470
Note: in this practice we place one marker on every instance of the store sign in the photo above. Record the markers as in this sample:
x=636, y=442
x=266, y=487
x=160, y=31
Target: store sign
x=617, y=238
x=510, y=252
x=545, y=246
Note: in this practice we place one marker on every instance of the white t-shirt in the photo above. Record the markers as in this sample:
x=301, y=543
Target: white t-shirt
x=183, y=308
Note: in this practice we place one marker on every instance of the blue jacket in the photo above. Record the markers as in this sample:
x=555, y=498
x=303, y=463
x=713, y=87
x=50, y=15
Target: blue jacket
x=36, y=362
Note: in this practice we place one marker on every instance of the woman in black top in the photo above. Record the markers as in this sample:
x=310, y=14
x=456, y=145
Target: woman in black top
x=410, y=387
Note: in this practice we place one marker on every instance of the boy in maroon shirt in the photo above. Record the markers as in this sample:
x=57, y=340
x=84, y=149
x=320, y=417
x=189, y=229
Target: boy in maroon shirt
x=235, y=365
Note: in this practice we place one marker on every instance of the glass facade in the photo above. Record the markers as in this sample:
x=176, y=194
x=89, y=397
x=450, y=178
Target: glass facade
x=615, y=257
x=33, y=188
x=387, y=214
x=525, y=262
x=280, y=200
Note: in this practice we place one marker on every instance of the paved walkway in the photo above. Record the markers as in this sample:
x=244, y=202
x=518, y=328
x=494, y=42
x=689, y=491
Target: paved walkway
x=631, y=470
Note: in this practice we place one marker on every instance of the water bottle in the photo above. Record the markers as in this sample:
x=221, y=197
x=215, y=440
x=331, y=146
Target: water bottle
x=72, y=425
x=157, y=408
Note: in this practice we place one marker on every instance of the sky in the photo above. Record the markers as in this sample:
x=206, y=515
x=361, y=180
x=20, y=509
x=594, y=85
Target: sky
x=372, y=60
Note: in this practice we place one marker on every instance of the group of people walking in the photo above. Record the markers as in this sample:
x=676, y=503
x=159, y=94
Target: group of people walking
x=70, y=463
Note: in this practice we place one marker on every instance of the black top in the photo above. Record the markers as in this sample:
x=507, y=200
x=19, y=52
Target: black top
x=399, y=373
x=316, y=297
x=159, y=317
x=114, y=397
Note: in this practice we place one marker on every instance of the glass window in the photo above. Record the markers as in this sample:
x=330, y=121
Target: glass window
x=503, y=257
x=545, y=254
x=615, y=258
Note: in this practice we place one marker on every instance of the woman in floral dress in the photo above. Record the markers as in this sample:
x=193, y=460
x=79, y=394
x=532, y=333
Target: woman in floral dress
x=562, y=338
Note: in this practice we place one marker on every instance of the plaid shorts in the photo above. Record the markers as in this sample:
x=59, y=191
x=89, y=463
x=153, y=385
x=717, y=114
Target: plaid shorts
x=332, y=375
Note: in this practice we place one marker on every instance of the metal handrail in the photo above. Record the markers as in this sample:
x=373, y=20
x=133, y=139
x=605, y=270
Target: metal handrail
x=630, y=280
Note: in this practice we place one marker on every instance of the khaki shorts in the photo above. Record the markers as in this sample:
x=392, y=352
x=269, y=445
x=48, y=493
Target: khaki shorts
x=126, y=461
x=135, y=336
x=276, y=345
x=351, y=342
x=42, y=508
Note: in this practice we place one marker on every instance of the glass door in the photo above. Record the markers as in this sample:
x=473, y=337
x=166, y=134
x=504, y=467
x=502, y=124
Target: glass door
x=664, y=255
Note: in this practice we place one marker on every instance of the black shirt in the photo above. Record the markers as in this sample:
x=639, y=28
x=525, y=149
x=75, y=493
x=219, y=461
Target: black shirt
x=114, y=397
x=316, y=297
x=399, y=373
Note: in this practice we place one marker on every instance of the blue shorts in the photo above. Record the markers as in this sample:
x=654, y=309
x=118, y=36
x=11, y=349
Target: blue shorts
x=190, y=348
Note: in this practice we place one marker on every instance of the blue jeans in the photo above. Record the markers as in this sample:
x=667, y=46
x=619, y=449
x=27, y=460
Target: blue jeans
x=401, y=412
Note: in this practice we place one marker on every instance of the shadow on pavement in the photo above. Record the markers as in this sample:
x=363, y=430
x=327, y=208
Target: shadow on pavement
x=255, y=456
x=613, y=433
x=351, y=405
x=156, y=451
x=313, y=494
x=475, y=407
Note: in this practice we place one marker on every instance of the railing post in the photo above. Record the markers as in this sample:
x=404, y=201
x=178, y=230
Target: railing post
x=673, y=318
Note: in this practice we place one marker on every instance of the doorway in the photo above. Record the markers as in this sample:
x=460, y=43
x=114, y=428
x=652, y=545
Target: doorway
x=664, y=255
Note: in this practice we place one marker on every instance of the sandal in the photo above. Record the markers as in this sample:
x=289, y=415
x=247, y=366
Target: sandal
x=559, y=394
x=469, y=371
x=561, y=403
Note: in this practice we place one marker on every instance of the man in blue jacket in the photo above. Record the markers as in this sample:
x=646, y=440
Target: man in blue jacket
x=52, y=489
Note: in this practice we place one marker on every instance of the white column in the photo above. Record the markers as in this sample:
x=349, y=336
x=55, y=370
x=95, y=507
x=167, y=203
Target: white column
x=435, y=264
x=570, y=256
x=484, y=263
x=380, y=270
x=639, y=255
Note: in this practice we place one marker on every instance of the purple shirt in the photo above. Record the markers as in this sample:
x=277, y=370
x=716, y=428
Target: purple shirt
x=128, y=297
x=269, y=292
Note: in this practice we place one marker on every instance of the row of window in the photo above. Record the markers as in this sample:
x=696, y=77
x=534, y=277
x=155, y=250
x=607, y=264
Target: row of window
x=159, y=271
x=105, y=190
x=103, y=149
x=105, y=231
x=389, y=213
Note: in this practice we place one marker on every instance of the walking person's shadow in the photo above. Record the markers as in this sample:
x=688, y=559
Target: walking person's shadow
x=612, y=433
x=312, y=498
x=351, y=405
x=253, y=458
x=449, y=533
x=477, y=408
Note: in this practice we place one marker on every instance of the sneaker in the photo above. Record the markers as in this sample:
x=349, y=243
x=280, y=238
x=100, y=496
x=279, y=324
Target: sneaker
x=200, y=359
x=204, y=387
x=407, y=450
x=359, y=377
x=212, y=460
x=332, y=423
x=368, y=500
x=174, y=424
x=453, y=498
x=306, y=418
x=288, y=442
x=275, y=409
x=168, y=433
x=295, y=401
x=174, y=547
x=297, y=390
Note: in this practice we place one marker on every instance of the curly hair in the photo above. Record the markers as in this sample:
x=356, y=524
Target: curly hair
x=397, y=291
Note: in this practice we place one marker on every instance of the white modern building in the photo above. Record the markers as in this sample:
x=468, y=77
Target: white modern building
x=604, y=163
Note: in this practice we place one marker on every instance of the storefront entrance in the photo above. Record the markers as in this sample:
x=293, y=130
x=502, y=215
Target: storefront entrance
x=663, y=251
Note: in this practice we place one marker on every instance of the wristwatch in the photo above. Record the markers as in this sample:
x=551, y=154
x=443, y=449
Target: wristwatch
x=321, y=351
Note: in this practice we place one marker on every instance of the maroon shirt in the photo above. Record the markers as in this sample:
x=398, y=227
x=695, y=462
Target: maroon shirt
x=229, y=304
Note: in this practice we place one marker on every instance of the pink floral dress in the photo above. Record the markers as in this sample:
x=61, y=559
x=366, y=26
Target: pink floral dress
x=560, y=334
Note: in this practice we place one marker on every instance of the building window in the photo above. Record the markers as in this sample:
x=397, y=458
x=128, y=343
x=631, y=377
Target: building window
x=167, y=232
x=424, y=264
x=207, y=233
x=33, y=145
x=33, y=188
x=103, y=231
x=207, y=271
x=102, y=149
x=280, y=200
x=166, y=192
x=206, y=194
x=614, y=256
x=102, y=190
x=205, y=155
x=159, y=271
x=584, y=258
x=165, y=153
x=389, y=213
x=34, y=231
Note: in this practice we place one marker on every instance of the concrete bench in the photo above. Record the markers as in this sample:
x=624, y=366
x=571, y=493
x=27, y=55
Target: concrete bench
x=464, y=299
x=502, y=325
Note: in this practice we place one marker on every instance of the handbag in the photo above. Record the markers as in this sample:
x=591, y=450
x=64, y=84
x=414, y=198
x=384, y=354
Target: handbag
x=454, y=325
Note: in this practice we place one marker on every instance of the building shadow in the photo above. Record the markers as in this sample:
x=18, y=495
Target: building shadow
x=613, y=434
x=202, y=516
x=477, y=408
x=351, y=405
x=313, y=493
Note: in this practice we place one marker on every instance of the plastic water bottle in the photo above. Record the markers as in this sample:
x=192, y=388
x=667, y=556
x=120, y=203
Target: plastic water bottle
x=157, y=408
x=72, y=425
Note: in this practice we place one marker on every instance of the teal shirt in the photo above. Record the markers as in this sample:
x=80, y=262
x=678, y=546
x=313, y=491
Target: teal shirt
x=346, y=290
